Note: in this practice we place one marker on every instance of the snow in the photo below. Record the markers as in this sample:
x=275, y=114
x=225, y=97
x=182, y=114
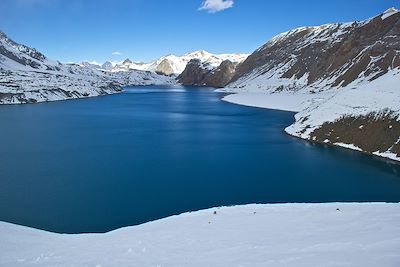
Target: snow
x=334, y=234
x=278, y=101
x=388, y=155
x=348, y=146
x=268, y=81
x=316, y=33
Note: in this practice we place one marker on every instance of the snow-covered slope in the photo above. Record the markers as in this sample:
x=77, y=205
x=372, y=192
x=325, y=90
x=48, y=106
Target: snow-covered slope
x=27, y=76
x=298, y=235
x=346, y=78
x=175, y=65
x=14, y=56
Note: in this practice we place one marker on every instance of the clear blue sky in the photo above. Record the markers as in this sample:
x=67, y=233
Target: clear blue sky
x=75, y=30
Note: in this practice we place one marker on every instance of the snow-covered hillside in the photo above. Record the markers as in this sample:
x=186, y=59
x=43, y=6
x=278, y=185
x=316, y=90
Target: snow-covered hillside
x=324, y=57
x=298, y=235
x=345, y=77
x=27, y=76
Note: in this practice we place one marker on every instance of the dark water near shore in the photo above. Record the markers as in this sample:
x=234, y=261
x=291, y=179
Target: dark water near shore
x=93, y=165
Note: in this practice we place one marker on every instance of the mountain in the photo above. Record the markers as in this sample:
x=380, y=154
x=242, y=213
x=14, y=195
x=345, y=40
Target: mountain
x=350, y=73
x=322, y=57
x=107, y=66
x=174, y=65
x=28, y=76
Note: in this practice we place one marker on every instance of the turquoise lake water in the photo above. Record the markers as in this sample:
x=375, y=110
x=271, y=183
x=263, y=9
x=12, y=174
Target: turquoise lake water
x=93, y=165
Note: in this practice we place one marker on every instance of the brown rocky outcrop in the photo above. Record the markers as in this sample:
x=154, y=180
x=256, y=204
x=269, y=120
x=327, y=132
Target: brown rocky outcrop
x=374, y=132
x=198, y=73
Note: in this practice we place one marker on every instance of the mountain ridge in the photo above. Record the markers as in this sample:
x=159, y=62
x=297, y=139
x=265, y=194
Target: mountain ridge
x=28, y=76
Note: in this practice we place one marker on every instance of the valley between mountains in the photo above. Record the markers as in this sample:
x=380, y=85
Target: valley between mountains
x=342, y=80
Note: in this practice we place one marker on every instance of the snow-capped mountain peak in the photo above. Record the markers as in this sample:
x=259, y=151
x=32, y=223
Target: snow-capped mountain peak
x=199, y=54
x=391, y=11
x=107, y=66
x=90, y=64
x=127, y=62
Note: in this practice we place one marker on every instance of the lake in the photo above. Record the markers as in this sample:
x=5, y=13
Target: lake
x=97, y=164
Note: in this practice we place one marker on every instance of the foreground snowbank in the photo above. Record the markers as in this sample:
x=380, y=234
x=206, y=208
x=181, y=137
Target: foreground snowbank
x=335, y=234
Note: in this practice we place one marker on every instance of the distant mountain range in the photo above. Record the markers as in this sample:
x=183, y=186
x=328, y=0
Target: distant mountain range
x=167, y=65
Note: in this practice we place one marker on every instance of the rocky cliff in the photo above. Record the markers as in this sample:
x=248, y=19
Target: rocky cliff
x=198, y=73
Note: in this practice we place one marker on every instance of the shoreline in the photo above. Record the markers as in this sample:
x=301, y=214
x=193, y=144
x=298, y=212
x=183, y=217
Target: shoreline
x=61, y=99
x=296, y=104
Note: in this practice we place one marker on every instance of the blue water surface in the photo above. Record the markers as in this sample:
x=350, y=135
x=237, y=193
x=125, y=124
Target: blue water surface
x=93, y=165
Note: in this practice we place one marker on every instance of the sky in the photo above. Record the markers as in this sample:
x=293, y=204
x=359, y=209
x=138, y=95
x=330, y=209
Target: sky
x=143, y=30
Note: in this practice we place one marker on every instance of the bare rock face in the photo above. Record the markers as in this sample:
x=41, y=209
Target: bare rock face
x=222, y=75
x=195, y=73
x=198, y=73
x=165, y=68
x=332, y=55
